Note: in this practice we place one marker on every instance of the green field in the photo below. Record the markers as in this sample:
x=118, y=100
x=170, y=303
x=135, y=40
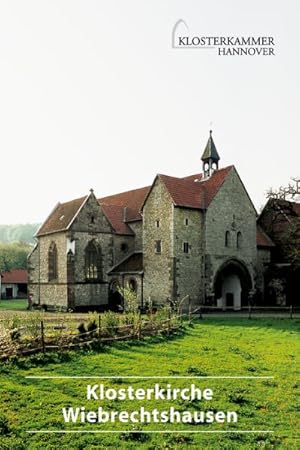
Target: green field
x=19, y=304
x=212, y=347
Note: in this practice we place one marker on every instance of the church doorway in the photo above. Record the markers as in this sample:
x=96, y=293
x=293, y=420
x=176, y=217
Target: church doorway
x=232, y=285
x=115, y=299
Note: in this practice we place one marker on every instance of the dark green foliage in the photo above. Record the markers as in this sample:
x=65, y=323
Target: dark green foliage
x=134, y=435
x=14, y=255
x=81, y=328
x=92, y=326
x=196, y=371
x=4, y=426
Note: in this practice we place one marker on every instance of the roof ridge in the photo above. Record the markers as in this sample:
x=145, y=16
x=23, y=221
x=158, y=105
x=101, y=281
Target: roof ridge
x=74, y=200
x=124, y=192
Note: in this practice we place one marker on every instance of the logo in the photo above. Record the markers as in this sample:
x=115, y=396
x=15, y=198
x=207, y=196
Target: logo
x=182, y=38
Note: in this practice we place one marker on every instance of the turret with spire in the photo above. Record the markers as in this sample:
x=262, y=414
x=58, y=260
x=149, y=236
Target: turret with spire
x=210, y=157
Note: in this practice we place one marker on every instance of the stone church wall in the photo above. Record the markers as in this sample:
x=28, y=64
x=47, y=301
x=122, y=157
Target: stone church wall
x=90, y=225
x=49, y=292
x=91, y=293
x=189, y=271
x=158, y=267
x=91, y=218
x=231, y=210
x=137, y=228
x=119, y=250
x=33, y=274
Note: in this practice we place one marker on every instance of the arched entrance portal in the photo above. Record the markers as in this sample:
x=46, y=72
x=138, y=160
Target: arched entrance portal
x=232, y=285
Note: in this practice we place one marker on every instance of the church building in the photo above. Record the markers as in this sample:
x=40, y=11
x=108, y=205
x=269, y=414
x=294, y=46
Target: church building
x=194, y=237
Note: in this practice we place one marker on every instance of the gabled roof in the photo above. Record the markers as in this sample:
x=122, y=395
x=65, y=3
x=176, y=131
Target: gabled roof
x=115, y=215
x=131, y=200
x=194, y=191
x=15, y=276
x=61, y=216
x=277, y=215
x=184, y=192
x=283, y=206
x=133, y=263
x=262, y=239
x=120, y=209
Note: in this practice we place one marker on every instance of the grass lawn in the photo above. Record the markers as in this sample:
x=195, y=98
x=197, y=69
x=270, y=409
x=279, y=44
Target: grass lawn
x=19, y=304
x=212, y=347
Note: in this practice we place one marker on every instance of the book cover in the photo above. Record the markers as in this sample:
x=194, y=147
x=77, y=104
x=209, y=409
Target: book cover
x=149, y=225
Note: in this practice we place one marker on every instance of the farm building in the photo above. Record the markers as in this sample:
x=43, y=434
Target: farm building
x=14, y=284
x=195, y=236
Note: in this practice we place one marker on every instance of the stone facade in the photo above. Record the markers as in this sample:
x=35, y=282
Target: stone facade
x=231, y=214
x=158, y=227
x=187, y=239
x=188, y=253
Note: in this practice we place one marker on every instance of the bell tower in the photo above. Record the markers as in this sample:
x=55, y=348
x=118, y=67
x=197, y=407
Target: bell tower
x=210, y=157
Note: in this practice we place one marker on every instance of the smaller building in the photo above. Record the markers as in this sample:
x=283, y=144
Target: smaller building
x=280, y=219
x=14, y=284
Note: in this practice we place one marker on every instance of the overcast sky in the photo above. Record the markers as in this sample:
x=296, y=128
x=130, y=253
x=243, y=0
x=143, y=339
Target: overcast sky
x=92, y=94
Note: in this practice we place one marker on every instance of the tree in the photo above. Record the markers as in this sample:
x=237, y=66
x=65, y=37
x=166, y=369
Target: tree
x=13, y=256
x=280, y=218
x=284, y=226
x=286, y=192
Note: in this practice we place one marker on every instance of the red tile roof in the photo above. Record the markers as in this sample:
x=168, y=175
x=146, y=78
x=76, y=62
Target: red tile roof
x=191, y=191
x=125, y=207
x=184, y=192
x=61, y=216
x=262, y=239
x=132, y=200
x=15, y=276
x=115, y=215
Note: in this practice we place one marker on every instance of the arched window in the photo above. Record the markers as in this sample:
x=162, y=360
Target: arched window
x=227, y=239
x=52, y=262
x=239, y=240
x=93, y=261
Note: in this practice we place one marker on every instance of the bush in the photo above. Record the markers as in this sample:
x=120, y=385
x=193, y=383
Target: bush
x=92, y=327
x=81, y=328
x=130, y=299
x=34, y=319
x=4, y=426
x=110, y=321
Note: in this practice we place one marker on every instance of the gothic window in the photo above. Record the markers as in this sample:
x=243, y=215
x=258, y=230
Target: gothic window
x=92, y=262
x=186, y=247
x=227, y=239
x=239, y=240
x=52, y=262
x=157, y=246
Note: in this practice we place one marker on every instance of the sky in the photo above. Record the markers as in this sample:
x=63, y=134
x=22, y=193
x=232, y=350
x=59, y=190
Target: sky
x=92, y=95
